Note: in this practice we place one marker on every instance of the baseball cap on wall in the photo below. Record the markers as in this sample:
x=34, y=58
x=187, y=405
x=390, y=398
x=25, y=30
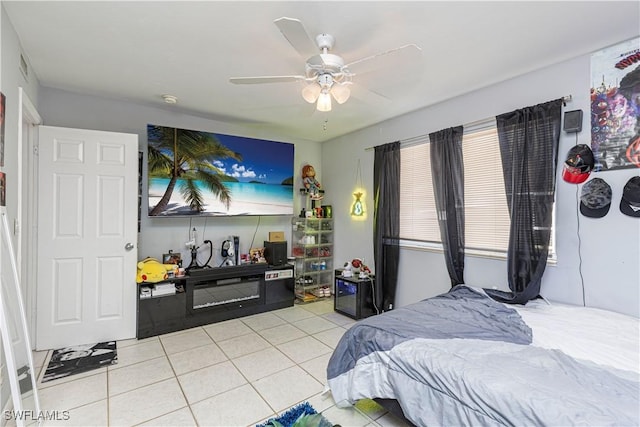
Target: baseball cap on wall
x=579, y=164
x=630, y=202
x=595, y=199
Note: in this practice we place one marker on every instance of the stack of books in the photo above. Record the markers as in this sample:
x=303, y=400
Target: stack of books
x=163, y=289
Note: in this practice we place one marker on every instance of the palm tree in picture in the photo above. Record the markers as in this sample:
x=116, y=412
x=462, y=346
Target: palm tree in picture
x=188, y=156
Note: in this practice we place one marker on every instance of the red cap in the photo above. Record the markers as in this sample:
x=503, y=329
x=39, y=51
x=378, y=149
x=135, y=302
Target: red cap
x=574, y=175
x=579, y=164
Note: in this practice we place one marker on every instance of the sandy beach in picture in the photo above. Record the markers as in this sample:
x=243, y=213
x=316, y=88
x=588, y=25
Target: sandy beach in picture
x=201, y=173
x=213, y=207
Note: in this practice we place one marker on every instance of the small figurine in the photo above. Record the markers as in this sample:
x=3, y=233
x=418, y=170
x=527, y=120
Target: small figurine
x=364, y=271
x=150, y=270
x=310, y=182
x=346, y=271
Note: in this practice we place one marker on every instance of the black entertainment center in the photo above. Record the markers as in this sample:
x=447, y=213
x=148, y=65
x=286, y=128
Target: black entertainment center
x=210, y=295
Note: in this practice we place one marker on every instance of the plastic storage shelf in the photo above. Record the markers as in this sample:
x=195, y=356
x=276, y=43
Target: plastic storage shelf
x=312, y=247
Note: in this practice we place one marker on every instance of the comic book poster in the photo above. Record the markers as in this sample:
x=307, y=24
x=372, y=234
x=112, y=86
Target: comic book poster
x=615, y=106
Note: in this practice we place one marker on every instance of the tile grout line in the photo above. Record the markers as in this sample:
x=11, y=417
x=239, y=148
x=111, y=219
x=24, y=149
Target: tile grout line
x=253, y=330
x=175, y=376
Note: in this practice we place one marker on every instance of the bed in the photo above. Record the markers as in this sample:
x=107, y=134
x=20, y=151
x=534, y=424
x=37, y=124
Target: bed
x=462, y=358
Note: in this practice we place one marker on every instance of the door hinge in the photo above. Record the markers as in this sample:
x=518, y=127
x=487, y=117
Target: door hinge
x=35, y=150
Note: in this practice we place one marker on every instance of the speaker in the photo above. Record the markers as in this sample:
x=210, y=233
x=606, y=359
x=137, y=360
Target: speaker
x=573, y=121
x=275, y=252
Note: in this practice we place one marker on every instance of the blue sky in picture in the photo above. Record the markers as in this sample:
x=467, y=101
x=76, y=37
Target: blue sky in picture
x=265, y=161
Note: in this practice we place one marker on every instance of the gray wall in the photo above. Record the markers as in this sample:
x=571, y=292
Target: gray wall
x=610, y=247
x=10, y=80
x=158, y=235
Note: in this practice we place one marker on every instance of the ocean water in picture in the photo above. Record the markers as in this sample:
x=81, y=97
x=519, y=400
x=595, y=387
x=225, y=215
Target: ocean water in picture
x=252, y=170
x=247, y=198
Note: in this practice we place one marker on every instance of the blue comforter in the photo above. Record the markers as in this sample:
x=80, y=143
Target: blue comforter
x=463, y=359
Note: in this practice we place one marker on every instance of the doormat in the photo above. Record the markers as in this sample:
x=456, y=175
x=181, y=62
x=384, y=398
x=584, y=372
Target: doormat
x=81, y=358
x=300, y=415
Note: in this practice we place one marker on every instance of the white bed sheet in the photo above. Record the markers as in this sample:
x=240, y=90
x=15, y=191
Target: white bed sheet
x=600, y=336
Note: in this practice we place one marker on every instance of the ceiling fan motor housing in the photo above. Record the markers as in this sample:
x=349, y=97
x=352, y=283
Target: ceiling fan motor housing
x=325, y=41
x=324, y=63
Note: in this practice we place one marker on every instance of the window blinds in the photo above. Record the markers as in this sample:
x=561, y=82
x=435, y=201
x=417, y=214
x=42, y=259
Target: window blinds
x=486, y=211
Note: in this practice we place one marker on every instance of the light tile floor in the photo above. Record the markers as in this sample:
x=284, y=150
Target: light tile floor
x=235, y=373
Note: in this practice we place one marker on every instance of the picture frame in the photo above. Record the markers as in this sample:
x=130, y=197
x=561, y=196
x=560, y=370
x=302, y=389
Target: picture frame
x=172, y=258
x=256, y=256
x=227, y=175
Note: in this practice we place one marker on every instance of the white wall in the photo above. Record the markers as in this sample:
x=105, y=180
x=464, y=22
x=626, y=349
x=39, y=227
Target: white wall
x=158, y=235
x=610, y=247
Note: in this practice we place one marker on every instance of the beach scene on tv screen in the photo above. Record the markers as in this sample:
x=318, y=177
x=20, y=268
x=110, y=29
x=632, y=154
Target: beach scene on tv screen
x=203, y=173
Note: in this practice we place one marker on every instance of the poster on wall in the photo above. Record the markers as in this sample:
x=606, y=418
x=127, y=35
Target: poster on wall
x=615, y=106
x=2, y=105
x=200, y=173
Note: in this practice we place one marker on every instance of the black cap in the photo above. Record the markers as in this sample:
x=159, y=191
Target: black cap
x=595, y=199
x=630, y=202
x=579, y=164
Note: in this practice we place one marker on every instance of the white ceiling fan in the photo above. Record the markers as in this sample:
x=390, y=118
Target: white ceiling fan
x=326, y=74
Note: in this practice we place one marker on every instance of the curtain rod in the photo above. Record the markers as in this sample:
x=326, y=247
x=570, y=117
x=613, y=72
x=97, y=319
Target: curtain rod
x=414, y=139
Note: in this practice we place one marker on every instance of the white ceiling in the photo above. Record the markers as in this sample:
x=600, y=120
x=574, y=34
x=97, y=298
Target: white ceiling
x=138, y=51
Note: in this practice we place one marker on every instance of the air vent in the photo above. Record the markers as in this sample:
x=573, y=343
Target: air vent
x=24, y=68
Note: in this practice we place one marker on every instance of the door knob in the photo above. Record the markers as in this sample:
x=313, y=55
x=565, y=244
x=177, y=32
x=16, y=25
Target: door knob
x=128, y=246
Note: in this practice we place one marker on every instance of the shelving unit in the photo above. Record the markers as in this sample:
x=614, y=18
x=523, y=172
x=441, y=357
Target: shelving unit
x=211, y=295
x=312, y=248
x=160, y=314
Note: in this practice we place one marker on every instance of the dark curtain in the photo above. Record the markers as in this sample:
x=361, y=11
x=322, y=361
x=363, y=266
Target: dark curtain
x=386, y=222
x=529, y=148
x=447, y=174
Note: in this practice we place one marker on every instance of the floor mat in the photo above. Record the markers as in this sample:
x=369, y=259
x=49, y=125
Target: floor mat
x=300, y=415
x=81, y=358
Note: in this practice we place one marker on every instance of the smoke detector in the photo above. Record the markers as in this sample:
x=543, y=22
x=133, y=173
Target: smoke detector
x=170, y=99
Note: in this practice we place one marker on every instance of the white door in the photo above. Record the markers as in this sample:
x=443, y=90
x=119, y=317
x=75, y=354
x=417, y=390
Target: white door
x=87, y=230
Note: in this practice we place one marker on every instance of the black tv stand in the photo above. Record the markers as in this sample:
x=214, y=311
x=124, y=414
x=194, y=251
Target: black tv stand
x=209, y=295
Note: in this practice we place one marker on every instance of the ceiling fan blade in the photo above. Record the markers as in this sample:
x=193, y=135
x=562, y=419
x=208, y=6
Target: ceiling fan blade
x=397, y=57
x=265, y=79
x=295, y=33
x=368, y=96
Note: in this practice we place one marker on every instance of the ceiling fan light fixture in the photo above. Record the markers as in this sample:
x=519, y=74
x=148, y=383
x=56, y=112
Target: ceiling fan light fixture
x=324, y=101
x=311, y=92
x=341, y=93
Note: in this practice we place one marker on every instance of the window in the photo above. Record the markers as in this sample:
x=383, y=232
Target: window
x=418, y=218
x=486, y=210
x=485, y=203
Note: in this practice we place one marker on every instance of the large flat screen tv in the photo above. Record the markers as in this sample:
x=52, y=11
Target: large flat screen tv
x=202, y=173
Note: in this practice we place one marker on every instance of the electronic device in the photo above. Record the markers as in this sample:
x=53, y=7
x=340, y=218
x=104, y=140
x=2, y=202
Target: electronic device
x=354, y=297
x=572, y=121
x=227, y=250
x=236, y=246
x=275, y=252
x=193, y=245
